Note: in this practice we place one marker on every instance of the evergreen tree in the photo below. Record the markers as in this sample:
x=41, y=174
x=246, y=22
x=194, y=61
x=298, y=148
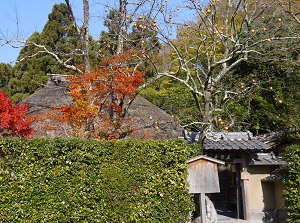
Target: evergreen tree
x=137, y=33
x=5, y=74
x=56, y=50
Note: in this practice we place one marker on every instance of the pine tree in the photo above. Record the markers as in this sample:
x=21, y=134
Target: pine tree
x=56, y=50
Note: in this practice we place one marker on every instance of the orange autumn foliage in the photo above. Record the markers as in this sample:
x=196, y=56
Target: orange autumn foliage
x=101, y=99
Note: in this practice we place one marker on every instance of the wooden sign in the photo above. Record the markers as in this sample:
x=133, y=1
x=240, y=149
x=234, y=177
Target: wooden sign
x=203, y=175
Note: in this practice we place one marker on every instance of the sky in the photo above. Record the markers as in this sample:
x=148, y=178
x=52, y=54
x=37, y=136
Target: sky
x=20, y=18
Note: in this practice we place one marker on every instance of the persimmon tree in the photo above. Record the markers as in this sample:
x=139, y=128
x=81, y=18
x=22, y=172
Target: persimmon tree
x=213, y=40
x=13, y=119
x=101, y=98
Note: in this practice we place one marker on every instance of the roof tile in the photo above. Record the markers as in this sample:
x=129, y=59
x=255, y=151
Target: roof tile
x=234, y=144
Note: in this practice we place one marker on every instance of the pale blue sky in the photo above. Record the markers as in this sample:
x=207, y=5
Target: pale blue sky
x=20, y=18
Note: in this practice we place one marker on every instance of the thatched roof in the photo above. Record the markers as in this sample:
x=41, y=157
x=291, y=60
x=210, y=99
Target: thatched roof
x=53, y=95
x=149, y=120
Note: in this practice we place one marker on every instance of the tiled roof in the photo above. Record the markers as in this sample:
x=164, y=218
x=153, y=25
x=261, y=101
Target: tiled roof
x=278, y=174
x=265, y=159
x=227, y=141
x=234, y=144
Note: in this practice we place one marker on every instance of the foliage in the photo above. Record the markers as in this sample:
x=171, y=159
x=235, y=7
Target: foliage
x=75, y=180
x=208, y=58
x=170, y=95
x=221, y=64
x=42, y=52
x=101, y=99
x=273, y=105
x=251, y=88
x=292, y=193
x=5, y=74
x=13, y=120
x=139, y=37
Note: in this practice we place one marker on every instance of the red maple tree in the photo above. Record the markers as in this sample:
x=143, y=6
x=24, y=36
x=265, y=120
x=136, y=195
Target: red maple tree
x=101, y=99
x=13, y=119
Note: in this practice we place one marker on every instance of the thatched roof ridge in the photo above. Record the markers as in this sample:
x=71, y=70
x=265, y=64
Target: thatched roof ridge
x=50, y=96
x=149, y=120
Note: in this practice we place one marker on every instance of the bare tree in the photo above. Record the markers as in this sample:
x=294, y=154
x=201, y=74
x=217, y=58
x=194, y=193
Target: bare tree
x=82, y=33
x=213, y=38
x=218, y=37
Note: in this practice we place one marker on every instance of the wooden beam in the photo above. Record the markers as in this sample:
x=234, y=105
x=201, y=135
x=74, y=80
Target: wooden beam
x=245, y=190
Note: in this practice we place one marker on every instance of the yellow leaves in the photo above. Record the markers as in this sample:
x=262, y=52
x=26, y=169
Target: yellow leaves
x=166, y=84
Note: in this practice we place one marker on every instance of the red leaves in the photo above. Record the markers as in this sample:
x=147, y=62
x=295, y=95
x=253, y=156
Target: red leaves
x=101, y=96
x=13, y=120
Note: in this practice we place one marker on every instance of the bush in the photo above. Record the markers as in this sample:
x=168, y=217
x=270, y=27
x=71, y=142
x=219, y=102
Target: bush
x=75, y=180
x=292, y=191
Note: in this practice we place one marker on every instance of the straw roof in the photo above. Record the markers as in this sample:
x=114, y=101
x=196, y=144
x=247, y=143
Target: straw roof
x=149, y=120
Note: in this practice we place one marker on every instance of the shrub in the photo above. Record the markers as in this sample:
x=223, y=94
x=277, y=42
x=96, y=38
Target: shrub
x=292, y=191
x=76, y=180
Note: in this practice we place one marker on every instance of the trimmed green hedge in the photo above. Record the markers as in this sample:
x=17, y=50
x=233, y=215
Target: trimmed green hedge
x=76, y=180
x=292, y=191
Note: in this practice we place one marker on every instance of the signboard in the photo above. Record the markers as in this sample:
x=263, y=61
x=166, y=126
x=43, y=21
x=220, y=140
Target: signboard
x=226, y=157
x=203, y=175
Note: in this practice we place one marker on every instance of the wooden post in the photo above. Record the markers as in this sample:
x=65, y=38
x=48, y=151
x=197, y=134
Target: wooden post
x=245, y=190
x=202, y=207
x=238, y=191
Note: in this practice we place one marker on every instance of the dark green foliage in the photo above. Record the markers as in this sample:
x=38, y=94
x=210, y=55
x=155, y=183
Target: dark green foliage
x=58, y=37
x=5, y=74
x=59, y=41
x=273, y=103
x=292, y=191
x=173, y=98
x=75, y=180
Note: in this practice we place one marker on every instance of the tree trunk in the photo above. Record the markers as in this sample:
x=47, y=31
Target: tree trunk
x=85, y=37
x=122, y=12
x=207, y=116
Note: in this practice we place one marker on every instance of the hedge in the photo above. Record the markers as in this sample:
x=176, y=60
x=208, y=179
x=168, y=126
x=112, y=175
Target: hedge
x=292, y=191
x=76, y=180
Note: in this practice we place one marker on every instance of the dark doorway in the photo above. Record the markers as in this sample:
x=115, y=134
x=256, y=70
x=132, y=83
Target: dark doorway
x=229, y=201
